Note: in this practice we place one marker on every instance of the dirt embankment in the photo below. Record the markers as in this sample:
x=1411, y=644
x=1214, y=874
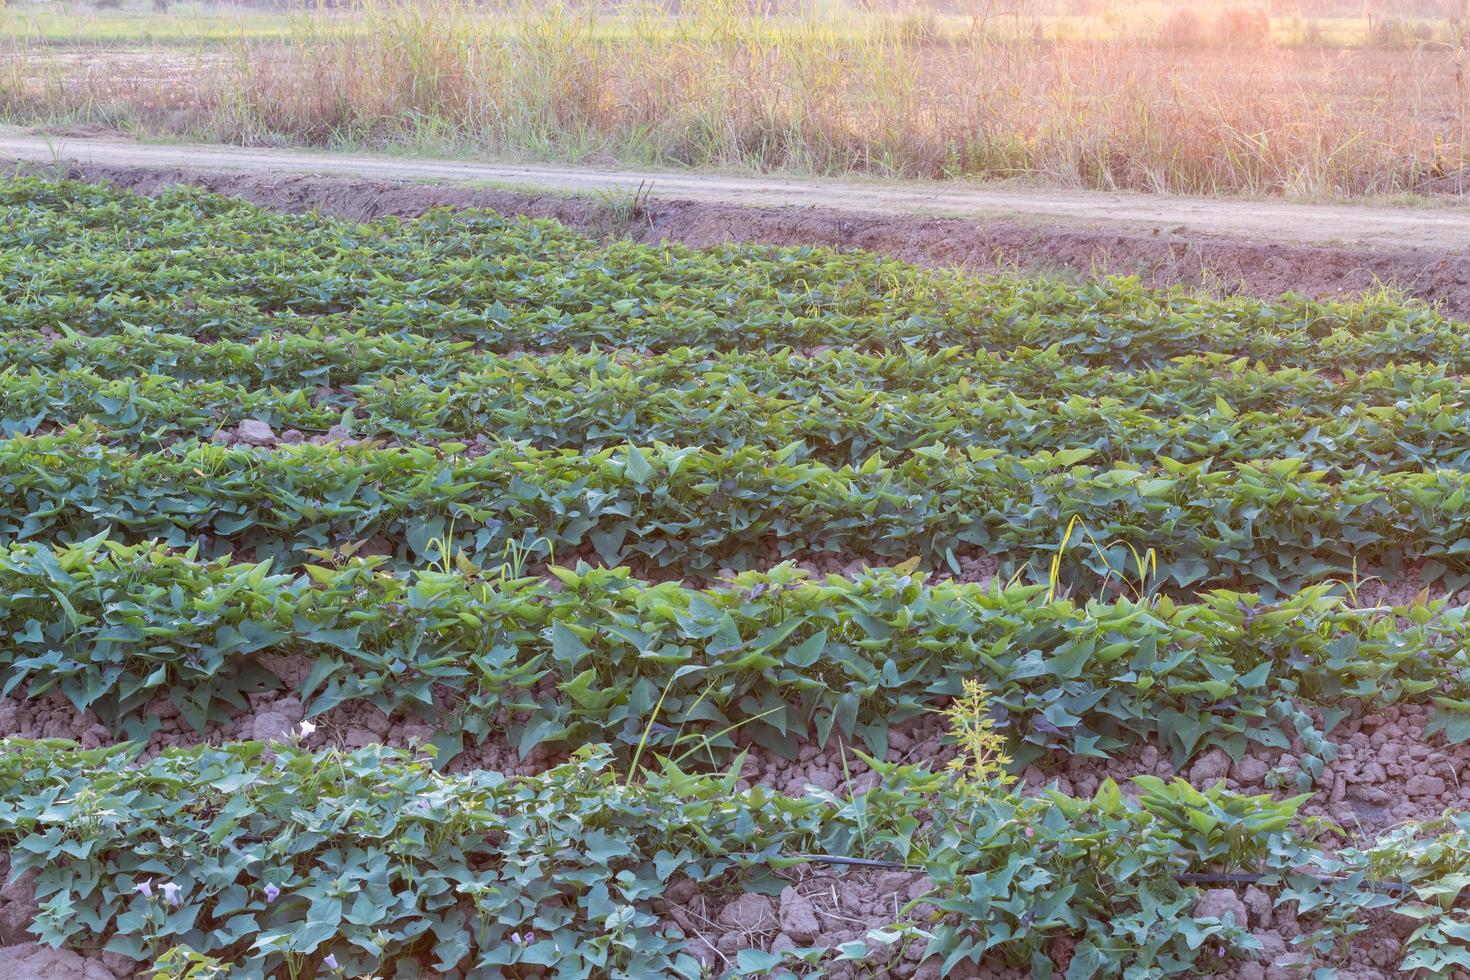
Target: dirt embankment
x=1193, y=254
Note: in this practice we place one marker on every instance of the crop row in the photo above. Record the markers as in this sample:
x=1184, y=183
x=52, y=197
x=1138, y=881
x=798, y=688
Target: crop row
x=192, y=265
x=320, y=360
x=534, y=322
x=372, y=863
x=599, y=656
x=1272, y=525
x=840, y=423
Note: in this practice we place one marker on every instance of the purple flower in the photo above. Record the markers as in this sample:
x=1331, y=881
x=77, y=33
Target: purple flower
x=272, y=893
x=144, y=888
x=330, y=962
x=171, y=893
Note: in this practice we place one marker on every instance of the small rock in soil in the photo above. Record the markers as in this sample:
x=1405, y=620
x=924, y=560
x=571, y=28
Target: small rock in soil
x=120, y=965
x=360, y=738
x=701, y=951
x=1424, y=786
x=270, y=725
x=22, y=889
x=822, y=779
x=253, y=432
x=1251, y=771
x=1212, y=766
x=798, y=916
x=1222, y=904
x=681, y=891
x=15, y=922
x=749, y=912
x=1258, y=904
x=1291, y=966
x=32, y=961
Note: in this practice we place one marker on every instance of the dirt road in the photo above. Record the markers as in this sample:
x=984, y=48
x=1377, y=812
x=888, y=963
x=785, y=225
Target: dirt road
x=1259, y=247
x=1441, y=229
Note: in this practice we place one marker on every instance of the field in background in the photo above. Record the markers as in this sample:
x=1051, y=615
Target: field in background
x=1223, y=101
x=1184, y=23
x=189, y=24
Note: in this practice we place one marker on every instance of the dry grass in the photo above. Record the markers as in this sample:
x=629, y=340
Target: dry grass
x=714, y=88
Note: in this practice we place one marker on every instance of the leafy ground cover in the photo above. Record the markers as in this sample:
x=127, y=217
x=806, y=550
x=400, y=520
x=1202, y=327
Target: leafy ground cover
x=313, y=359
x=590, y=401
x=98, y=261
x=779, y=656
x=286, y=860
x=687, y=511
x=332, y=862
x=561, y=495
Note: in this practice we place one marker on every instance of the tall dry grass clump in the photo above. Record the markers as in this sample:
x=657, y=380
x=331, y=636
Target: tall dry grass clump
x=717, y=86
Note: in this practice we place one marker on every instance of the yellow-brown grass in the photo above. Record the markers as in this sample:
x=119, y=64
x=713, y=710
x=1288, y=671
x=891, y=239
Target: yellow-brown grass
x=714, y=88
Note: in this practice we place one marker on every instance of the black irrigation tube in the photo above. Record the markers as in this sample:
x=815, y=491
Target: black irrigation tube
x=856, y=862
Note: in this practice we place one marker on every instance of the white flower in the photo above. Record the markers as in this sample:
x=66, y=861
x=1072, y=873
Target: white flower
x=330, y=962
x=144, y=888
x=306, y=729
x=171, y=893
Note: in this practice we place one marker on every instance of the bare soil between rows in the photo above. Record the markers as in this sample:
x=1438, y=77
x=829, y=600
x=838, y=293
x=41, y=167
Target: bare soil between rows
x=1387, y=770
x=1177, y=257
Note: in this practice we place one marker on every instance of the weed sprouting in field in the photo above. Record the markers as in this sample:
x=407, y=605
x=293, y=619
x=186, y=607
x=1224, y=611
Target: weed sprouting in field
x=1140, y=583
x=1055, y=574
x=622, y=209
x=447, y=560
x=514, y=559
x=696, y=741
x=982, y=760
